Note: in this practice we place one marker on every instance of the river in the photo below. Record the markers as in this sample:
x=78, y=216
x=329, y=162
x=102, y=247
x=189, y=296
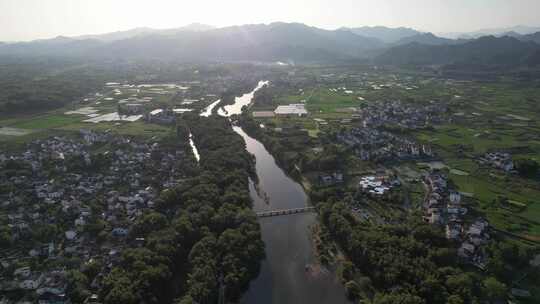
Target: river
x=290, y=273
x=240, y=102
x=208, y=110
x=194, y=148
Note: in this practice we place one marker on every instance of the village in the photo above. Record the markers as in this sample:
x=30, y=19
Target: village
x=371, y=144
x=498, y=160
x=398, y=114
x=374, y=139
x=445, y=207
x=71, y=202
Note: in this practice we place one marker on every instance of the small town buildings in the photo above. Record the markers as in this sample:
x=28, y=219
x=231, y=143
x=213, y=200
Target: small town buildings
x=455, y=197
x=498, y=160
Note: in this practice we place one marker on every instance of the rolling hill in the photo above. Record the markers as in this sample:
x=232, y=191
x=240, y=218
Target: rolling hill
x=61, y=45
x=286, y=42
x=142, y=31
x=487, y=50
x=385, y=34
x=498, y=32
x=535, y=37
x=428, y=39
x=276, y=41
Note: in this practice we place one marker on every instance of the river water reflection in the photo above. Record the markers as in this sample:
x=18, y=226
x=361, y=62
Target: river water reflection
x=240, y=102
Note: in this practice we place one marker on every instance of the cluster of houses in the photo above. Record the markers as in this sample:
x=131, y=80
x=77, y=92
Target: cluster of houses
x=371, y=144
x=443, y=206
x=59, y=187
x=474, y=239
x=498, y=160
x=399, y=114
x=48, y=286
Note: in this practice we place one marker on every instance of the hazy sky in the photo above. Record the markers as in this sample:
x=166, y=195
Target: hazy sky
x=32, y=19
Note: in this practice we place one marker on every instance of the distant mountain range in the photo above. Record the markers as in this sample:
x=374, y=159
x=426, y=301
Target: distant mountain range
x=535, y=37
x=276, y=41
x=488, y=50
x=385, y=34
x=498, y=32
x=142, y=31
x=428, y=39
x=287, y=42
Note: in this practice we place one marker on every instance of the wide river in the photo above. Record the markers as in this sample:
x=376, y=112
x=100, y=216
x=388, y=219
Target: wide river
x=290, y=273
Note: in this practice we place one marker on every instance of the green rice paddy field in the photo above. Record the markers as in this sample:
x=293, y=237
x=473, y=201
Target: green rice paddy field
x=494, y=117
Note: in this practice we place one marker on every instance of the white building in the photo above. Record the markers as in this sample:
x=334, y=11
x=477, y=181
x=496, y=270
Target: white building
x=455, y=198
x=297, y=109
x=70, y=235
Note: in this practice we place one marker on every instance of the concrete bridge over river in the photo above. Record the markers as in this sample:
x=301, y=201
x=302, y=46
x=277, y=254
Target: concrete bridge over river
x=282, y=212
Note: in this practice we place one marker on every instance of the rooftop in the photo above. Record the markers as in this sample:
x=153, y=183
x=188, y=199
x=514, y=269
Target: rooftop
x=292, y=109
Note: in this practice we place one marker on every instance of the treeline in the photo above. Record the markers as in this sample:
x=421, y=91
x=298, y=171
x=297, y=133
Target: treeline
x=291, y=146
x=203, y=239
x=231, y=253
x=411, y=262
